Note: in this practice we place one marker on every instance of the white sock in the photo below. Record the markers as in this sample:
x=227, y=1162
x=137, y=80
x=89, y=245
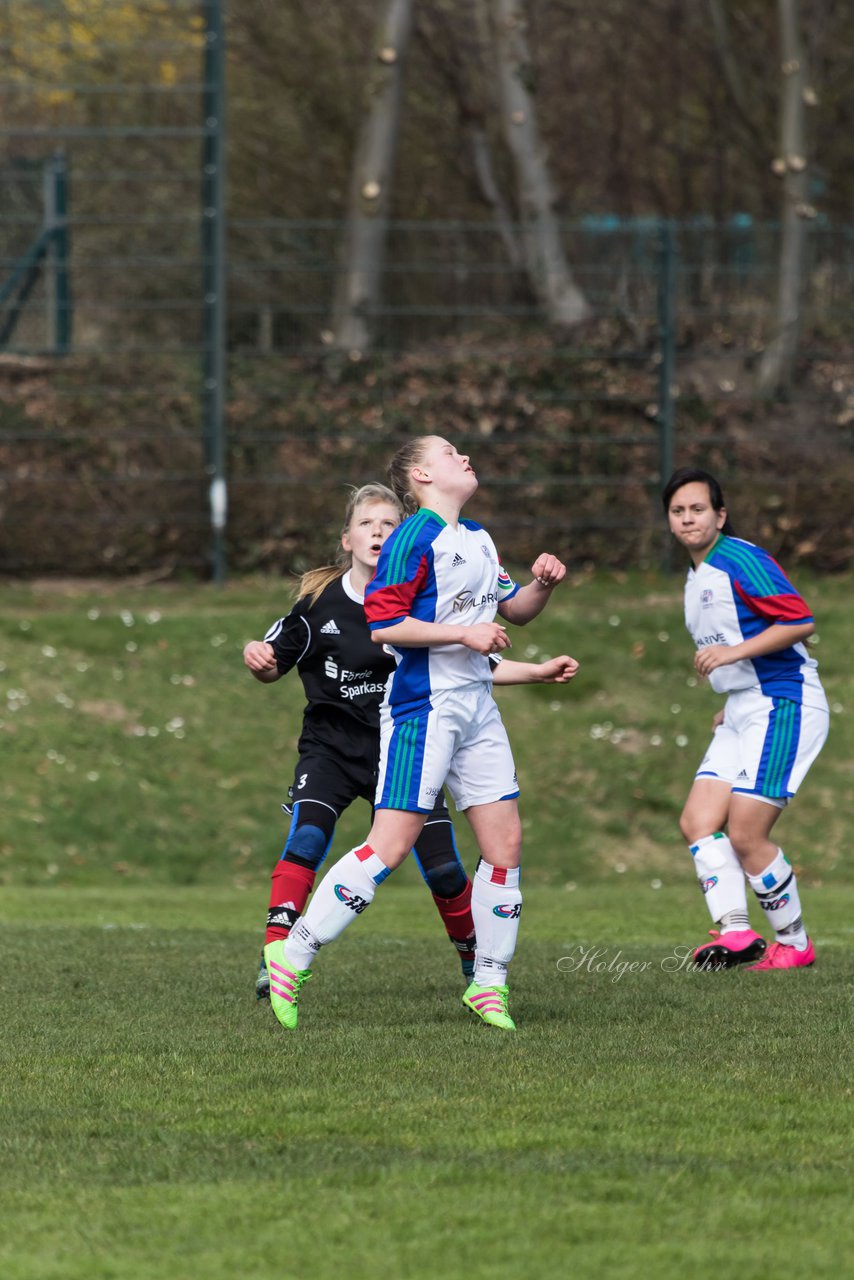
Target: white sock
x=496, y=903
x=722, y=881
x=343, y=893
x=777, y=890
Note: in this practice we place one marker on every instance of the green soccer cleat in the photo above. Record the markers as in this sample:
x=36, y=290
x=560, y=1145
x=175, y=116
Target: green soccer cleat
x=285, y=984
x=490, y=1004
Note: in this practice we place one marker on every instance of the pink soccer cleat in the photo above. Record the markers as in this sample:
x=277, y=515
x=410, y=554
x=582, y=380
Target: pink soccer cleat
x=779, y=956
x=739, y=946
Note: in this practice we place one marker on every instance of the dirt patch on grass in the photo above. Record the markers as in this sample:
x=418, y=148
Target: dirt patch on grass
x=108, y=712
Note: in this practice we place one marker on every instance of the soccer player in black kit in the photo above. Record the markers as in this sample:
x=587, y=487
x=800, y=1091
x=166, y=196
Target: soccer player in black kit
x=326, y=637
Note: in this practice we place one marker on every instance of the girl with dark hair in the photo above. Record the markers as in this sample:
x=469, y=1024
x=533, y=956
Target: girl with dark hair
x=750, y=626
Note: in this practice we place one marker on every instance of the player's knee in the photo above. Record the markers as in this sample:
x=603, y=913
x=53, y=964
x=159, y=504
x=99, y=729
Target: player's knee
x=688, y=829
x=695, y=826
x=307, y=845
x=746, y=842
x=447, y=880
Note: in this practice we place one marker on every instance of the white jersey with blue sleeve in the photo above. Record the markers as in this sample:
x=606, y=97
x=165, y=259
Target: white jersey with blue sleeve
x=737, y=592
x=434, y=572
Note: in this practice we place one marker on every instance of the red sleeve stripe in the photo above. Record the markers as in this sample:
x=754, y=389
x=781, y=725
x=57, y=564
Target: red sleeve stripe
x=392, y=603
x=782, y=608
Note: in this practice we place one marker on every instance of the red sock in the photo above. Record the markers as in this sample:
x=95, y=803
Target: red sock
x=292, y=883
x=457, y=919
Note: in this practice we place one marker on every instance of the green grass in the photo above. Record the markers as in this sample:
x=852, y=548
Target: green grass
x=140, y=748
x=645, y=1120
x=650, y=1121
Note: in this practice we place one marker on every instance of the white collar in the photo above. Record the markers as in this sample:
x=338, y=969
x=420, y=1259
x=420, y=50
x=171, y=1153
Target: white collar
x=350, y=590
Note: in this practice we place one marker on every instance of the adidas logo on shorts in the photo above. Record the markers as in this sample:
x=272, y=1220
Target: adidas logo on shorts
x=457, y=561
x=330, y=628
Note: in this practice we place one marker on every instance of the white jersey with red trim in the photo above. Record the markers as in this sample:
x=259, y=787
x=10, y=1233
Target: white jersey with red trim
x=434, y=572
x=737, y=592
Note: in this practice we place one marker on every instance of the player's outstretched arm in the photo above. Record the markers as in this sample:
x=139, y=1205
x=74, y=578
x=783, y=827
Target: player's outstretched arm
x=547, y=571
x=552, y=671
x=260, y=658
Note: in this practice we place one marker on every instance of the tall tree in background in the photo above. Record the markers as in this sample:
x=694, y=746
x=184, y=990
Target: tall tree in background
x=358, y=287
x=460, y=59
x=777, y=363
x=547, y=266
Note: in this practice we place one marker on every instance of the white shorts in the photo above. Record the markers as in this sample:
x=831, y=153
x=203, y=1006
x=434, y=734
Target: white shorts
x=460, y=743
x=765, y=746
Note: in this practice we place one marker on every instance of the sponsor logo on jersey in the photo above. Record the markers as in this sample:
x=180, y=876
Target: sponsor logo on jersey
x=349, y=691
x=705, y=641
x=742, y=775
x=508, y=911
x=485, y=549
x=457, y=561
x=330, y=628
x=467, y=600
x=774, y=904
x=330, y=666
x=709, y=884
x=707, y=598
x=350, y=899
x=504, y=580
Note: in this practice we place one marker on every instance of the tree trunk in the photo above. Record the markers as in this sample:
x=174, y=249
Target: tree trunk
x=481, y=154
x=547, y=267
x=776, y=367
x=456, y=38
x=359, y=283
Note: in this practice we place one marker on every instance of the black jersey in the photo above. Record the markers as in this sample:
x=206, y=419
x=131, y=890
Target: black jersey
x=343, y=672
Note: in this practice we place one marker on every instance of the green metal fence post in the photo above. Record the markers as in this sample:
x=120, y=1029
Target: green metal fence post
x=57, y=287
x=667, y=359
x=214, y=273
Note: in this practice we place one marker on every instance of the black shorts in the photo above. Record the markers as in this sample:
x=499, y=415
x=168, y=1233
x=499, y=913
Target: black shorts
x=333, y=780
x=336, y=782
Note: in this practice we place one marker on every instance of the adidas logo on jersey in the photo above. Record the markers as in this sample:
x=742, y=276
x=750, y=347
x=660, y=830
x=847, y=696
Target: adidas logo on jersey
x=330, y=628
x=457, y=561
x=741, y=775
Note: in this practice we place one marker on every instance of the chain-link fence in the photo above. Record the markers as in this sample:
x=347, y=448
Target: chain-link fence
x=133, y=401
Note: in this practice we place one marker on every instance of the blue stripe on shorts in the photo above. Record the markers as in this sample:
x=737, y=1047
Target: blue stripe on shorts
x=780, y=749
x=404, y=766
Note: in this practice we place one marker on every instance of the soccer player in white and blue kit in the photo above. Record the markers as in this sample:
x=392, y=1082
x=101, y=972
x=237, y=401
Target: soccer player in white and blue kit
x=433, y=601
x=750, y=626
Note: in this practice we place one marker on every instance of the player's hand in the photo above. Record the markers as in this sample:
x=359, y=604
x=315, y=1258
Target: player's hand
x=558, y=670
x=486, y=638
x=548, y=570
x=715, y=655
x=259, y=656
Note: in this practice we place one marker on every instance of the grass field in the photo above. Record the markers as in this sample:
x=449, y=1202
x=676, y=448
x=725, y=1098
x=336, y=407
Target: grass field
x=156, y=1122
